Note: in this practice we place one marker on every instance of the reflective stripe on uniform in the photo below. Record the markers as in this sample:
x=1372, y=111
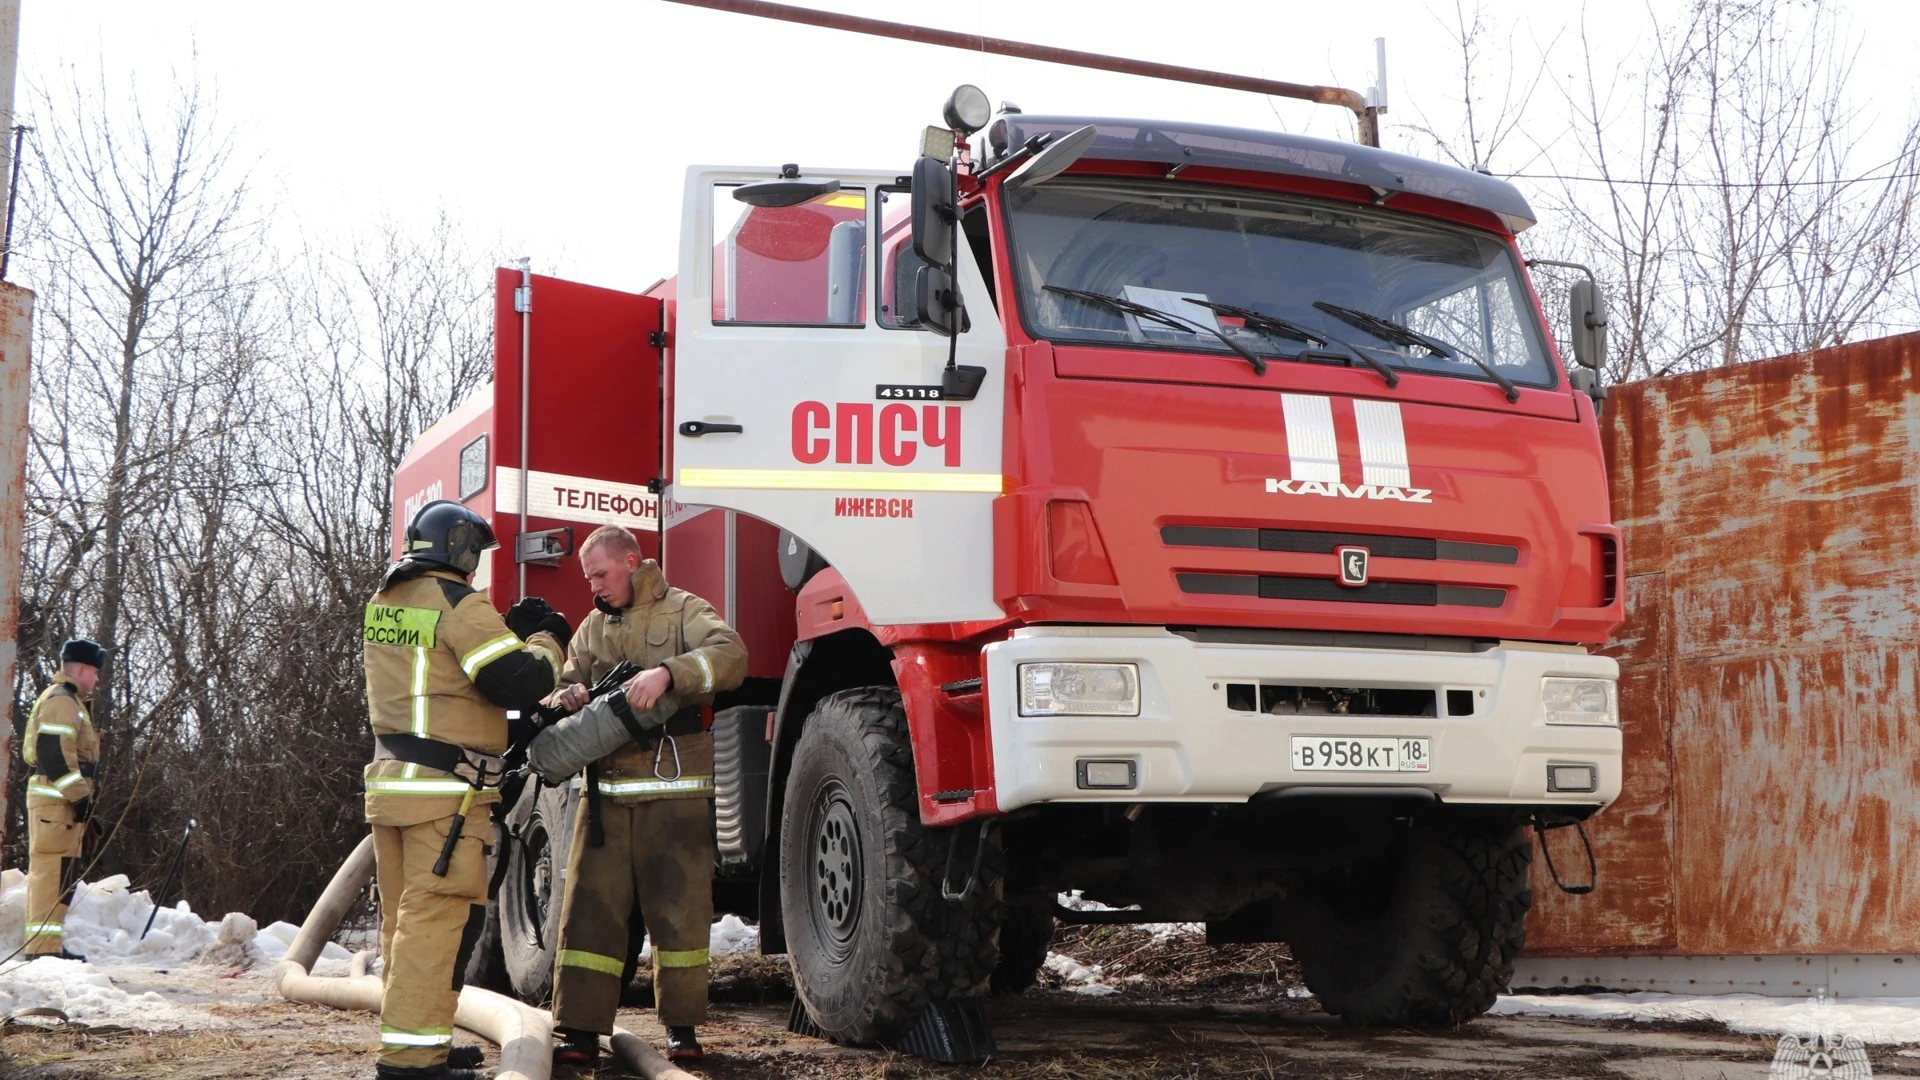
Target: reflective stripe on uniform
x=488, y=653
x=706, y=672
x=420, y=692
x=388, y=785
x=38, y=929
x=55, y=729
x=650, y=787
x=68, y=780
x=681, y=958
x=420, y=1037
x=576, y=958
x=42, y=789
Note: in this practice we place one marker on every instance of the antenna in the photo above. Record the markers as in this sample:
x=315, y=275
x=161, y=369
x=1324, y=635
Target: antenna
x=1377, y=93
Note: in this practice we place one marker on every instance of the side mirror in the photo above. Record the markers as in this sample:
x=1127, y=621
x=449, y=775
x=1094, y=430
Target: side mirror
x=846, y=257
x=1054, y=160
x=1588, y=314
x=932, y=211
x=937, y=302
x=786, y=191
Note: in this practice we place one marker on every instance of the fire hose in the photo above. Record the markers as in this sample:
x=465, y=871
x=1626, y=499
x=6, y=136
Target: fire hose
x=523, y=1033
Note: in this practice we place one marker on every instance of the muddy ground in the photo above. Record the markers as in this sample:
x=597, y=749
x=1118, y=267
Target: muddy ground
x=1182, y=1011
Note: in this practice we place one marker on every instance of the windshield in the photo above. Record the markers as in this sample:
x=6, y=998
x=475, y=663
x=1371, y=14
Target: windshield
x=1165, y=245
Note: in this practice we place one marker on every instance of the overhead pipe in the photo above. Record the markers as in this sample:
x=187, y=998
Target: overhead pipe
x=1366, y=117
x=523, y=1033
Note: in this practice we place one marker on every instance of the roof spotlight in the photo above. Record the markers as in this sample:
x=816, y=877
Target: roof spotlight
x=967, y=109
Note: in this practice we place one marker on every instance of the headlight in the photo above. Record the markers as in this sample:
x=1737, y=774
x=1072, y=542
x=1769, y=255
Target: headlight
x=1079, y=690
x=1580, y=701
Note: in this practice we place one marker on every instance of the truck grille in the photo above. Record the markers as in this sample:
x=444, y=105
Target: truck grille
x=1310, y=542
x=1277, y=587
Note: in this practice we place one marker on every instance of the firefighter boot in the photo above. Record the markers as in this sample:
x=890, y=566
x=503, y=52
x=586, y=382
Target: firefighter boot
x=580, y=1049
x=466, y=1057
x=681, y=1045
x=424, y=1072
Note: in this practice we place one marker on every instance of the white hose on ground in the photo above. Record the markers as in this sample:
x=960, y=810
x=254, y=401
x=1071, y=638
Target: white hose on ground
x=524, y=1033
x=639, y=1055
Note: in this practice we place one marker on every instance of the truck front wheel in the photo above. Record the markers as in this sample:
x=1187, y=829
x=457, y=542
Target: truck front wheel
x=1424, y=936
x=870, y=937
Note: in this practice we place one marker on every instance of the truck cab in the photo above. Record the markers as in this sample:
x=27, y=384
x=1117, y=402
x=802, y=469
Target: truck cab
x=1199, y=518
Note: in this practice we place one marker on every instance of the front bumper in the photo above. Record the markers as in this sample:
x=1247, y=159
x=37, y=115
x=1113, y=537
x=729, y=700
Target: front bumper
x=1187, y=745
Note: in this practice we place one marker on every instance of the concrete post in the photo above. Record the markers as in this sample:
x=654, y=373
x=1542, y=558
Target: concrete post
x=16, y=338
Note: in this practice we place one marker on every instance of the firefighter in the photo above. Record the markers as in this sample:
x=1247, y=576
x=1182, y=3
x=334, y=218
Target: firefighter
x=61, y=749
x=442, y=671
x=642, y=841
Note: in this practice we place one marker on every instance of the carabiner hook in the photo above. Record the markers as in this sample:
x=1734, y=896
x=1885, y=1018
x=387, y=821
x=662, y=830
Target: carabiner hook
x=666, y=742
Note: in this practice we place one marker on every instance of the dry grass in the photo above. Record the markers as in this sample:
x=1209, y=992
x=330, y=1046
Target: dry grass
x=1182, y=966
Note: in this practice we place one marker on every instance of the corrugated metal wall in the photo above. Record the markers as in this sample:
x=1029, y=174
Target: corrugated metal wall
x=1769, y=666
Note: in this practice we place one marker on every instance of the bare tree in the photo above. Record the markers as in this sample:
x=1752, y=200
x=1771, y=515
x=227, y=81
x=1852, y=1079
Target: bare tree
x=1728, y=205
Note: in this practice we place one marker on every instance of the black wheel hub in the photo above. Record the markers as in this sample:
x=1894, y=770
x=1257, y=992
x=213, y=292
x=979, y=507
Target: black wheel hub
x=836, y=868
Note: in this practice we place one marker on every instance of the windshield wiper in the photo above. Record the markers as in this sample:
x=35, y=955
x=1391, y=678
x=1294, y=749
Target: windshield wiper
x=1162, y=318
x=1388, y=330
x=1279, y=327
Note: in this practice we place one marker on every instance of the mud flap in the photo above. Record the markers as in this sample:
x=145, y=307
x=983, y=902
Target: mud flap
x=953, y=1031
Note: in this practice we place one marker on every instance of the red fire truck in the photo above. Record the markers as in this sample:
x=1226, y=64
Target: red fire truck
x=1199, y=518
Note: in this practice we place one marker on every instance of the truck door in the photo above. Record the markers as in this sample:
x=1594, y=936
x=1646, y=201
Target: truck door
x=800, y=395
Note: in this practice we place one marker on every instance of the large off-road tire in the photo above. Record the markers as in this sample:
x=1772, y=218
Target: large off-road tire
x=529, y=900
x=1425, y=936
x=1025, y=934
x=870, y=938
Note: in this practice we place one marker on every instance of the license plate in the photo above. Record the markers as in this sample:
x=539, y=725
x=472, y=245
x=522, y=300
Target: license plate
x=1348, y=753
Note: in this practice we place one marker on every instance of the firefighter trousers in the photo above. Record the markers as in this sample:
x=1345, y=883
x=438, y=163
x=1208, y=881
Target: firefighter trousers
x=656, y=865
x=428, y=928
x=53, y=861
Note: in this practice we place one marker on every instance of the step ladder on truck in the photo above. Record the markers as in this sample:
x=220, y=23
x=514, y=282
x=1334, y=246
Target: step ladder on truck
x=1199, y=518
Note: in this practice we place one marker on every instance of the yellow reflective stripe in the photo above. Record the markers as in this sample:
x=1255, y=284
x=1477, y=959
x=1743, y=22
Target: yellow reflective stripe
x=838, y=480
x=38, y=929
x=488, y=653
x=606, y=965
x=68, y=780
x=649, y=787
x=682, y=958
x=42, y=789
x=54, y=729
x=420, y=692
x=423, y=786
x=706, y=672
x=417, y=1037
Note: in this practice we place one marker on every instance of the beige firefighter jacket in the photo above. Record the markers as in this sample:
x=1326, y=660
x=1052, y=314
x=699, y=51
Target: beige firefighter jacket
x=60, y=739
x=427, y=641
x=669, y=627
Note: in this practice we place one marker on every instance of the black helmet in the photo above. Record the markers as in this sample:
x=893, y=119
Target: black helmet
x=81, y=651
x=449, y=534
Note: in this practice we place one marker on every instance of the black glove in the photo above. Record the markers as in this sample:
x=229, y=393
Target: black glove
x=557, y=625
x=528, y=616
x=521, y=727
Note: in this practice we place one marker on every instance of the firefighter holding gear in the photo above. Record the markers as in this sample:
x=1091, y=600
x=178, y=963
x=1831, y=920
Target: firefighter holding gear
x=650, y=851
x=442, y=671
x=60, y=749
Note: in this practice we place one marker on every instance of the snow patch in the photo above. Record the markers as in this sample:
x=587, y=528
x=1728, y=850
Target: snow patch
x=1080, y=978
x=1871, y=1020
x=1161, y=931
x=727, y=937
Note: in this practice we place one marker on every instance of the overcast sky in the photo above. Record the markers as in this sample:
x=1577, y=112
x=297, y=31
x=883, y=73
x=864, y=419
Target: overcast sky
x=562, y=129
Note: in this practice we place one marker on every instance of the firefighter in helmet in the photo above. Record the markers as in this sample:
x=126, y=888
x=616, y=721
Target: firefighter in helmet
x=443, y=669
x=643, y=841
x=60, y=749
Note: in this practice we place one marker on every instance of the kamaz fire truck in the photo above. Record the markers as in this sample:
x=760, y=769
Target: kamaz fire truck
x=1202, y=519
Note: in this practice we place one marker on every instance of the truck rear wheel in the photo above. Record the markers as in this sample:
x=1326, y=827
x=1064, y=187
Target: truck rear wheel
x=870, y=938
x=1425, y=936
x=529, y=900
